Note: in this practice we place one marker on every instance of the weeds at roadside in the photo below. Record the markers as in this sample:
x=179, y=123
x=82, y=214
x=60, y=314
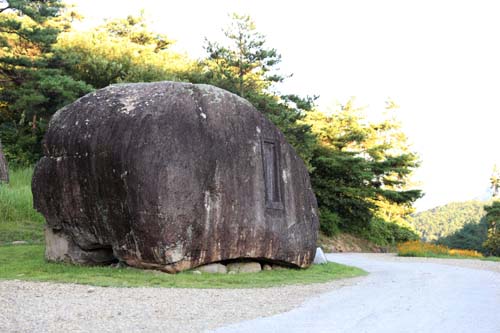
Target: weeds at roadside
x=422, y=249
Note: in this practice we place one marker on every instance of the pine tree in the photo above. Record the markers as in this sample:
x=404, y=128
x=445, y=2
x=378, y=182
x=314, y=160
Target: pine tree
x=495, y=181
x=32, y=87
x=244, y=64
x=361, y=169
x=246, y=67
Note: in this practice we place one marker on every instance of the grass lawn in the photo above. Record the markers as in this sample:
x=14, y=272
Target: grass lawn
x=496, y=259
x=18, y=219
x=445, y=256
x=26, y=262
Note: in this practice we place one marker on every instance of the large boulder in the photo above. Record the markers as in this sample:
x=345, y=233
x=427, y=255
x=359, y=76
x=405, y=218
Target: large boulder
x=4, y=170
x=172, y=176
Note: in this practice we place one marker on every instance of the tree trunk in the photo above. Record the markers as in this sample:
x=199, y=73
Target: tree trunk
x=4, y=171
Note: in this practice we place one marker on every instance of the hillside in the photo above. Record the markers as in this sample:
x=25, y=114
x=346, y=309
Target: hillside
x=445, y=220
x=344, y=242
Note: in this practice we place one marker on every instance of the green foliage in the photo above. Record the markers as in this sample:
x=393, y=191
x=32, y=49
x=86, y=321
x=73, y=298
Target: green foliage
x=247, y=68
x=471, y=236
x=27, y=263
x=492, y=243
x=244, y=65
x=384, y=233
x=445, y=220
x=341, y=185
x=361, y=169
x=32, y=86
x=18, y=219
x=122, y=50
x=329, y=222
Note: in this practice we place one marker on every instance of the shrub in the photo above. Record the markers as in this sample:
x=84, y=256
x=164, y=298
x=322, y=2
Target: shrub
x=492, y=243
x=471, y=236
x=385, y=233
x=329, y=222
x=422, y=249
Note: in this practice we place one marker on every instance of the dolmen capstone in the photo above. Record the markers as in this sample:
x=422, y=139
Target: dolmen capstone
x=171, y=176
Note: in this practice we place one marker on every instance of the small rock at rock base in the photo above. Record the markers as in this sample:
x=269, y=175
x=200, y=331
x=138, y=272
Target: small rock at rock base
x=278, y=267
x=232, y=272
x=196, y=272
x=244, y=267
x=213, y=268
x=119, y=264
x=320, y=257
x=267, y=267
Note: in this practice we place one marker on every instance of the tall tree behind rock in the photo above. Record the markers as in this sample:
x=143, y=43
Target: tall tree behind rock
x=122, y=50
x=361, y=169
x=32, y=87
x=492, y=244
x=4, y=171
x=246, y=66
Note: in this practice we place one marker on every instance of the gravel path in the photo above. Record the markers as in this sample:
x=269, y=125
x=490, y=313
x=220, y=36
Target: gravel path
x=49, y=307
x=399, y=295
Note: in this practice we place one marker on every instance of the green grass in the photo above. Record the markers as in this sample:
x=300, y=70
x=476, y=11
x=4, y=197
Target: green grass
x=26, y=262
x=442, y=256
x=447, y=256
x=492, y=258
x=18, y=219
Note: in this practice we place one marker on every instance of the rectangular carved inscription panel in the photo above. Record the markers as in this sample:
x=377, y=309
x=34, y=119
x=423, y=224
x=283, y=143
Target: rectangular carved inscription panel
x=271, y=175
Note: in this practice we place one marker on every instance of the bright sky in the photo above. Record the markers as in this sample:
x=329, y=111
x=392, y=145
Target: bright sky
x=439, y=60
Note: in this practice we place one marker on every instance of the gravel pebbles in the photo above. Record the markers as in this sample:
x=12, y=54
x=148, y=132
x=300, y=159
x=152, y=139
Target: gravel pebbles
x=55, y=307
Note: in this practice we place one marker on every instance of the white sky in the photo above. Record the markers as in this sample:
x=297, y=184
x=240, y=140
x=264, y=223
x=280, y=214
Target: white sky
x=439, y=60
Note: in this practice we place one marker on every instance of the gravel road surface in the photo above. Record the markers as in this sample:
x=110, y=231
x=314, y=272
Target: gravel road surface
x=400, y=295
x=54, y=307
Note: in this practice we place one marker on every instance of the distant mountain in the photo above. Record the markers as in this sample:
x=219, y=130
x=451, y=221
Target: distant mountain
x=445, y=220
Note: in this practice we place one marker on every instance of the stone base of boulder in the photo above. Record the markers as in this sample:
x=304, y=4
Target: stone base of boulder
x=213, y=268
x=237, y=267
x=59, y=247
x=244, y=267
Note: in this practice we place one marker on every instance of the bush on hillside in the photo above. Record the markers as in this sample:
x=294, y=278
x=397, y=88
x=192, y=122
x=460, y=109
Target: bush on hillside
x=385, y=233
x=471, y=237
